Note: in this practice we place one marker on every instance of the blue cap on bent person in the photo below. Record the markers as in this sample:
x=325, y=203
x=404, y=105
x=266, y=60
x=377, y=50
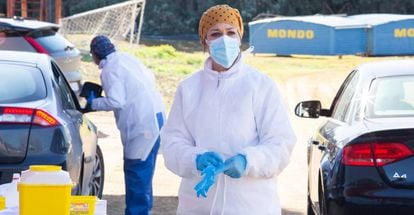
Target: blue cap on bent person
x=102, y=46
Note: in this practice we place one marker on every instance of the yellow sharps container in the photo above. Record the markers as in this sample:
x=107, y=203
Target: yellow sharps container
x=44, y=189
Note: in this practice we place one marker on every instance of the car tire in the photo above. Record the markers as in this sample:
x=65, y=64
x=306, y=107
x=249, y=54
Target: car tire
x=96, y=184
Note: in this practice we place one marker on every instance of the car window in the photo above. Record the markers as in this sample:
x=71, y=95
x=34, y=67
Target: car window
x=345, y=97
x=391, y=96
x=50, y=40
x=66, y=94
x=21, y=84
x=12, y=41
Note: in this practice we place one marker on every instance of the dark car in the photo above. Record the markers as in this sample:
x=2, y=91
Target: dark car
x=41, y=122
x=361, y=160
x=19, y=34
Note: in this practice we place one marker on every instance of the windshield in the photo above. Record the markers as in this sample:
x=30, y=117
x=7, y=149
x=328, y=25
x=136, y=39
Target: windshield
x=20, y=84
x=391, y=97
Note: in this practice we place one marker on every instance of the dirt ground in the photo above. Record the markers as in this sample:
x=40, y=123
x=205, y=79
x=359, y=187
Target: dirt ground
x=292, y=182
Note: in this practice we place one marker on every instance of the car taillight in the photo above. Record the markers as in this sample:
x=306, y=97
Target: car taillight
x=19, y=115
x=39, y=48
x=375, y=154
x=16, y=115
x=44, y=119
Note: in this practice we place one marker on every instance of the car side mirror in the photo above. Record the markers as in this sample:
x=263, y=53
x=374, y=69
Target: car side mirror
x=308, y=109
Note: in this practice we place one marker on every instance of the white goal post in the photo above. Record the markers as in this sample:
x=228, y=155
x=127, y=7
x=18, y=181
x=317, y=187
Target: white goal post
x=115, y=21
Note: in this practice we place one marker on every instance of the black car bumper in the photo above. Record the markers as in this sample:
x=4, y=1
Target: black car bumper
x=6, y=171
x=385, y=201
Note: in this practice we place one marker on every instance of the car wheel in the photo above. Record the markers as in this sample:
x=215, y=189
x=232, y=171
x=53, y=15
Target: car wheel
x=98, y=175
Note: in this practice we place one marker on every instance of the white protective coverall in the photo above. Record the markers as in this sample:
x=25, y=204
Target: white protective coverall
x=237, y=111
x=130, y=92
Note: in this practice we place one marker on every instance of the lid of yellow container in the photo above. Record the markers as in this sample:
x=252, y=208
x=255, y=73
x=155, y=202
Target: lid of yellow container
x=45, y=168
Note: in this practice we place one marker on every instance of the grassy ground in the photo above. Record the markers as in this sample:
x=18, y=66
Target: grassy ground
x=171, y=61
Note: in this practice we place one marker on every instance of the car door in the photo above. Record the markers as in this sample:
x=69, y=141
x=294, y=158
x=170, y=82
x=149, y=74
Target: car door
x=323, y=146
x=82, y=131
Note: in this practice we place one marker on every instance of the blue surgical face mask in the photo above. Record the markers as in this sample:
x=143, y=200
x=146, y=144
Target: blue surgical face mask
x=224, y=50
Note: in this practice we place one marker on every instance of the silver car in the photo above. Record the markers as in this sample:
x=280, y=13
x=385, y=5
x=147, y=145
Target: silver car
x=35, y=36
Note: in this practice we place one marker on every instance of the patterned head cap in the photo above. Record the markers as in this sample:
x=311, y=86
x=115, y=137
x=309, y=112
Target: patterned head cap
x=219, y=14
x=102, y=46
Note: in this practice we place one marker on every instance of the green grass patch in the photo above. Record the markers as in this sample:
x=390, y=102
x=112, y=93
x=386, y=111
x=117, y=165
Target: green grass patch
x=165, y=59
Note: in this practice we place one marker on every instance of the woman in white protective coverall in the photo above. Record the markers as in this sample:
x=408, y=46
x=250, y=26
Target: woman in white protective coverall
x=130, y=92
x=227, y=115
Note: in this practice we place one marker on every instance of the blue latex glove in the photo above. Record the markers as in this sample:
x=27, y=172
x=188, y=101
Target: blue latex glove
x=210, y=174
x=208, y=158
x=236, y=166
x=208, y=180
x=91, y=97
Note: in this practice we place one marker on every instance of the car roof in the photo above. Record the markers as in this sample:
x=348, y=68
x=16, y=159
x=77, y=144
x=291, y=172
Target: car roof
x=18, y=57
x=26, y=24
x=387, y=68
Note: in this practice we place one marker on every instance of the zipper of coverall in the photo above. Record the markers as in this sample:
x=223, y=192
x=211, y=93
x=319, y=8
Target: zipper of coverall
x=219, y=80
x=221, y=137
x=219, y=93
x=219, y=77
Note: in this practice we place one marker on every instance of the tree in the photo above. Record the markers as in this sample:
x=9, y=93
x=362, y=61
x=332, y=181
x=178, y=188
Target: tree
x=182, y=16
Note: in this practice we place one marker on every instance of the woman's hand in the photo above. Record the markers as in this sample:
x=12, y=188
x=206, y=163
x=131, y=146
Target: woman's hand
x=208, y=158
x=236, y=166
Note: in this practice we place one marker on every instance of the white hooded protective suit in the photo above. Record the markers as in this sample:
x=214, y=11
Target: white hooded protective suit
x=130, y=92
x=237, y=111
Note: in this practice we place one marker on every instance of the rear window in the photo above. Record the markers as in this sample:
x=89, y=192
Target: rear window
x=20, y=84
x=14, y=42
x=391, y=97
x=50, y=40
